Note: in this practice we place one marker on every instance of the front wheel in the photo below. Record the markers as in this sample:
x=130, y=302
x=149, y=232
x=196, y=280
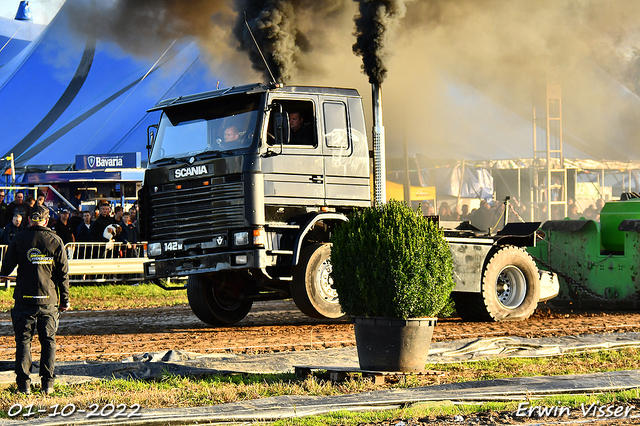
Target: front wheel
x=312, y=287
x=212, y=304
x=510, y=289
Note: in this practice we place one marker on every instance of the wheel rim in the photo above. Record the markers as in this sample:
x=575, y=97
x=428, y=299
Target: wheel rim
x=511, y=287
x=325, y=282
x=223, y=300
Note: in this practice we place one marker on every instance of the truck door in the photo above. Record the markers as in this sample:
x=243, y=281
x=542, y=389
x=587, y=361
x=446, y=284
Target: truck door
x=294, y=172
x=346, y=161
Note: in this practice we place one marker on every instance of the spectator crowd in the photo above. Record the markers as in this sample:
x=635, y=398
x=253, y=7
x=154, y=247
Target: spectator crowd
x=72, y=225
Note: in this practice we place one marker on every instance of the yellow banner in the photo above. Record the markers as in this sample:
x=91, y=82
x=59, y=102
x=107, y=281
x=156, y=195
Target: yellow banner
x=418, y=193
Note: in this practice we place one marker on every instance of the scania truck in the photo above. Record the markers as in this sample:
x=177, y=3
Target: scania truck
x=246, y=211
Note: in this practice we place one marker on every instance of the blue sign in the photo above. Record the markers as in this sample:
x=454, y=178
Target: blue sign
x=127, y=160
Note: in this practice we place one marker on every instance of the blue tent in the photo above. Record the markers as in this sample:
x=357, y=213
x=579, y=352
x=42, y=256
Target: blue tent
x=64, y=94
x=15, y=36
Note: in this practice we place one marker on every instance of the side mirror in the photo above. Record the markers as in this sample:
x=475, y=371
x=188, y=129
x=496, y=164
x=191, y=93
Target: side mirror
x=281, y=124
x=151, y=137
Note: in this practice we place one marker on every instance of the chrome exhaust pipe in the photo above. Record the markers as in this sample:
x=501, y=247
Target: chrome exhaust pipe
x=379, y=166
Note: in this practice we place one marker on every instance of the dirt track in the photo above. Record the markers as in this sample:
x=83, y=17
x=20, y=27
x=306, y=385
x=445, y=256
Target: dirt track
x=270, y=327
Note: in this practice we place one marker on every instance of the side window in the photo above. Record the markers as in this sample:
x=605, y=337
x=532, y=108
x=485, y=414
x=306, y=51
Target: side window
x=301, y=122
x=335, y=125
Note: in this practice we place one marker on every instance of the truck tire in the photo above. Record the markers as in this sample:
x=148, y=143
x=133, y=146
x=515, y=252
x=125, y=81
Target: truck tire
x=210, y=305
x=510, y=289
x=311, y=288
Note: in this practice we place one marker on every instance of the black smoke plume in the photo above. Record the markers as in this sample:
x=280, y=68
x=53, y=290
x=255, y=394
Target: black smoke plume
x=287, y=31
x=145, y=27
x=273, y=26
x=375, y=20
x=281, y=29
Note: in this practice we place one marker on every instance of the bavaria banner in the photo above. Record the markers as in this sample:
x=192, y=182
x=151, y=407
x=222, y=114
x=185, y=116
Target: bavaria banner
x=127, y=160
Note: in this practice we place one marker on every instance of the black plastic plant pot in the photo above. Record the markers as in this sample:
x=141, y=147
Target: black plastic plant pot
x=389, y=344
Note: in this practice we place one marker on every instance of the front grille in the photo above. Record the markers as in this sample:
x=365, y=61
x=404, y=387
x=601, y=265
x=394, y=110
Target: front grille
x=195, y=212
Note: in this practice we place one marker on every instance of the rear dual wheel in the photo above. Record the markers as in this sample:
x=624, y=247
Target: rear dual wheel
x=510, y=289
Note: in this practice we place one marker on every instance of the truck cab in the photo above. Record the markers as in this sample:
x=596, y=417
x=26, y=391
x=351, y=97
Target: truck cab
x=244, y=204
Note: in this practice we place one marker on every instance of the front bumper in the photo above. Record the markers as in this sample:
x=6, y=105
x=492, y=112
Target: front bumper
x=182, y=266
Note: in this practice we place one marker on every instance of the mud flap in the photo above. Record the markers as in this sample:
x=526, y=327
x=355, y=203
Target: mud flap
x=549, y=285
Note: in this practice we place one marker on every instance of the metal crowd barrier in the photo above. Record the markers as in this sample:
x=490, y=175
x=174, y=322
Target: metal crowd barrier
x=90, y=263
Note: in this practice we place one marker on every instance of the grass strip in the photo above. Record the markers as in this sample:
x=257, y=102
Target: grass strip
x=110, y=296
x=446, y=410
x=177, y=391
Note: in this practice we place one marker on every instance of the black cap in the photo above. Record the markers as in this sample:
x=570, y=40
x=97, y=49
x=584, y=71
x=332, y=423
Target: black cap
x=63, y=211
x=39, y=214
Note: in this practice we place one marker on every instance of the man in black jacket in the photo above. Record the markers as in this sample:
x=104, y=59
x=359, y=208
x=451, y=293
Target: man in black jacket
x=3, y=210
x=83, y=235
x=62, y=228
x=98, y=226
x=12, y=229
x=42, y=291
x=18, y=206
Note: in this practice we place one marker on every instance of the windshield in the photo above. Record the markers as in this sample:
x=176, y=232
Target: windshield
x=220, y=125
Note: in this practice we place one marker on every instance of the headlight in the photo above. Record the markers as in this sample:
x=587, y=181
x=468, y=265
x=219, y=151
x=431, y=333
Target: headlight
x=241, y=238
x=154, y=249
x=151, y=270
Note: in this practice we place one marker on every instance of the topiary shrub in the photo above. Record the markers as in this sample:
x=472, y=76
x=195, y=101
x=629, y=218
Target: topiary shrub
x=391, y=262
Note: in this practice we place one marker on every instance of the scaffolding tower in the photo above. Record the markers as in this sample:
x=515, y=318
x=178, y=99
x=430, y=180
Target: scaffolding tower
x=549, y=189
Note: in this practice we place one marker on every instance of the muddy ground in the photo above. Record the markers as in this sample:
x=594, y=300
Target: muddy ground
x=272, y=327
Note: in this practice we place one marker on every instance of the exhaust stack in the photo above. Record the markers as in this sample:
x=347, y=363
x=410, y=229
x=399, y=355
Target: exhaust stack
x=379, y=166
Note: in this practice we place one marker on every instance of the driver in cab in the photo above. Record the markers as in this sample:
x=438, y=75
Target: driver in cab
x=231, y=134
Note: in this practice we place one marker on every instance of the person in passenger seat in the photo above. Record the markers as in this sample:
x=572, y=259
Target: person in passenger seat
x=300, y=134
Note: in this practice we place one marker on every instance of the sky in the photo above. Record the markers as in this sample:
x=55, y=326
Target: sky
x=42, y=10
